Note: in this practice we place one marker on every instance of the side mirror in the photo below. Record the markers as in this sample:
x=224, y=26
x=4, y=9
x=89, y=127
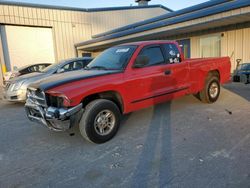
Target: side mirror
x=141, y=61
x=60, y=70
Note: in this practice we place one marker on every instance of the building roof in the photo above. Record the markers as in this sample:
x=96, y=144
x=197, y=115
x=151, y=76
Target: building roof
x=195, y=12
x=165, y=16
x=14, y=3
x=137, y=43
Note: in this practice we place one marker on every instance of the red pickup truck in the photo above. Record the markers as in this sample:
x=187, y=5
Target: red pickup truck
x=120, y=80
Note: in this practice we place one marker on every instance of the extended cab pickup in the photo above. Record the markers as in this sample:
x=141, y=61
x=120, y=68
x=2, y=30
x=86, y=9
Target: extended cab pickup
x=120, y=80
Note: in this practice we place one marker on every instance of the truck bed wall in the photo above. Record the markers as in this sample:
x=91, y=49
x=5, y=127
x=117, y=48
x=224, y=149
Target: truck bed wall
x=200, y=67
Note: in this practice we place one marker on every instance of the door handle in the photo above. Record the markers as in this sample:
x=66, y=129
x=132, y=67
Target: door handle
x=167, y=72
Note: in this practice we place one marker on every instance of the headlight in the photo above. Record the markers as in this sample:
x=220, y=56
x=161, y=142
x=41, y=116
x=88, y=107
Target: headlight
x=16, y=86
x=58, y=99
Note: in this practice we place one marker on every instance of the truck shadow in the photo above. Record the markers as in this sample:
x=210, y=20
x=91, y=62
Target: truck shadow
x=156, y=156
x=155, y=160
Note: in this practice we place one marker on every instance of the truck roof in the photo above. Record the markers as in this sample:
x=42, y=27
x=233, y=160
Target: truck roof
x=148, y=42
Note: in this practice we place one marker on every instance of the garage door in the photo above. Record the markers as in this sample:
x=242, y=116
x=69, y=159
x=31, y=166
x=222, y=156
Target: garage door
x=27, y=45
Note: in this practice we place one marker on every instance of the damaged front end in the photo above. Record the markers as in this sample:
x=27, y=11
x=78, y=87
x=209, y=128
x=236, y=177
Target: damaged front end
x=56, y=118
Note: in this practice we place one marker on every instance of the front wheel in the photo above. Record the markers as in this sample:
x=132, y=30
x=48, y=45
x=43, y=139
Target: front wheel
x=100, y=121
x=211, y=91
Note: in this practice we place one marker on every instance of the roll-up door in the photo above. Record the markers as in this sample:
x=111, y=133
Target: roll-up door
x=27, y=45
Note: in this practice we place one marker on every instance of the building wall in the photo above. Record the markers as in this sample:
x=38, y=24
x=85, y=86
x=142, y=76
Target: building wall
x=235, y=44
x=108, y=20
x=70, y=27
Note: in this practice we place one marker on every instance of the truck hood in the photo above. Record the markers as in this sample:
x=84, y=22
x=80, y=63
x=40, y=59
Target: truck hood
x=68, y=77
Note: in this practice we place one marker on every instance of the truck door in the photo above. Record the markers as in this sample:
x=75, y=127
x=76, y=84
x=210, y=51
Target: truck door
x=176, y=66
x=145, y=84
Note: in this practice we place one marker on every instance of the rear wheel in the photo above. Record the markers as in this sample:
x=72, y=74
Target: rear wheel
x=211, y=91
x=100, y=121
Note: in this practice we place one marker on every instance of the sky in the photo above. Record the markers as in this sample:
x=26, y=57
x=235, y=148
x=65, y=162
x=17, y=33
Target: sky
x=172, y=4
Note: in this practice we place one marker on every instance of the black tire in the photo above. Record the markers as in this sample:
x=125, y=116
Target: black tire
x=205, y=95
x=87, y=124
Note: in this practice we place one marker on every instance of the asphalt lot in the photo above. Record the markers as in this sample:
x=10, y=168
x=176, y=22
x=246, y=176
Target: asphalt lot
x=182, y=143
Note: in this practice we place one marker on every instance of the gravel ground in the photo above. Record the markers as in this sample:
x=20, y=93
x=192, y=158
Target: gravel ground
x=182, y=143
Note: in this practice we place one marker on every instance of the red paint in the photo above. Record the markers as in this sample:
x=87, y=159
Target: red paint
x=143, y=87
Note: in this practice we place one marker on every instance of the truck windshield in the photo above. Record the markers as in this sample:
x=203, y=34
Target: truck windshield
x=115, y=58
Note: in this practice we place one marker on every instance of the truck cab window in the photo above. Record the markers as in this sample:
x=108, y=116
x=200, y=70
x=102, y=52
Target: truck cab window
x=154, y=54
x=172, y=53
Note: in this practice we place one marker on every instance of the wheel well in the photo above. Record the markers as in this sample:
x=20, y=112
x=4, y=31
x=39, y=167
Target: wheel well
x=214, y=73
x=109, y=95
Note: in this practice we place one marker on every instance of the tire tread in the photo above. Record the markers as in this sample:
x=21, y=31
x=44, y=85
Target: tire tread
x=87, y=112
x=203, y=95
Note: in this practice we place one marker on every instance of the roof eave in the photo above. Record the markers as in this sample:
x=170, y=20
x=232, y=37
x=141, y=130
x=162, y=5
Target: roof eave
x=216, y=24
x=14, y=3
x=229, y=6
x=162, y=17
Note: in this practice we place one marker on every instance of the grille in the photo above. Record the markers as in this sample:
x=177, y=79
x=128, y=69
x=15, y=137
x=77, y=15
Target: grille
x=37, y=96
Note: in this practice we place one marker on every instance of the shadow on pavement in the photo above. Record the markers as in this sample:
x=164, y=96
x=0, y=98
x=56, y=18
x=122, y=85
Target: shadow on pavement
x=158, y=138
x=240, y=89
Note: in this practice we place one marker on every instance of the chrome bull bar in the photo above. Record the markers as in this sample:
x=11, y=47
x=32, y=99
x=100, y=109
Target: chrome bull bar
x=56, y=119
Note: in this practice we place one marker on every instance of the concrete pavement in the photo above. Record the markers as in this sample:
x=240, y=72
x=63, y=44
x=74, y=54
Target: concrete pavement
x=182, y=143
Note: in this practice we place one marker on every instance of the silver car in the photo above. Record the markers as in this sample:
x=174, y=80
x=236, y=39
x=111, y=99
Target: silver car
x=15, y=90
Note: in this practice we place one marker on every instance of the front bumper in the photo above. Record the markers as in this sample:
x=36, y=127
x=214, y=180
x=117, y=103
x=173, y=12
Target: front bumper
x=56, y=119
x=15, y=96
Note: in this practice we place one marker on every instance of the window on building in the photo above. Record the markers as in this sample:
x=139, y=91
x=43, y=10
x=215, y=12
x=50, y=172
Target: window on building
x=86, y=54
x=185, y=47
x=210, y=46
